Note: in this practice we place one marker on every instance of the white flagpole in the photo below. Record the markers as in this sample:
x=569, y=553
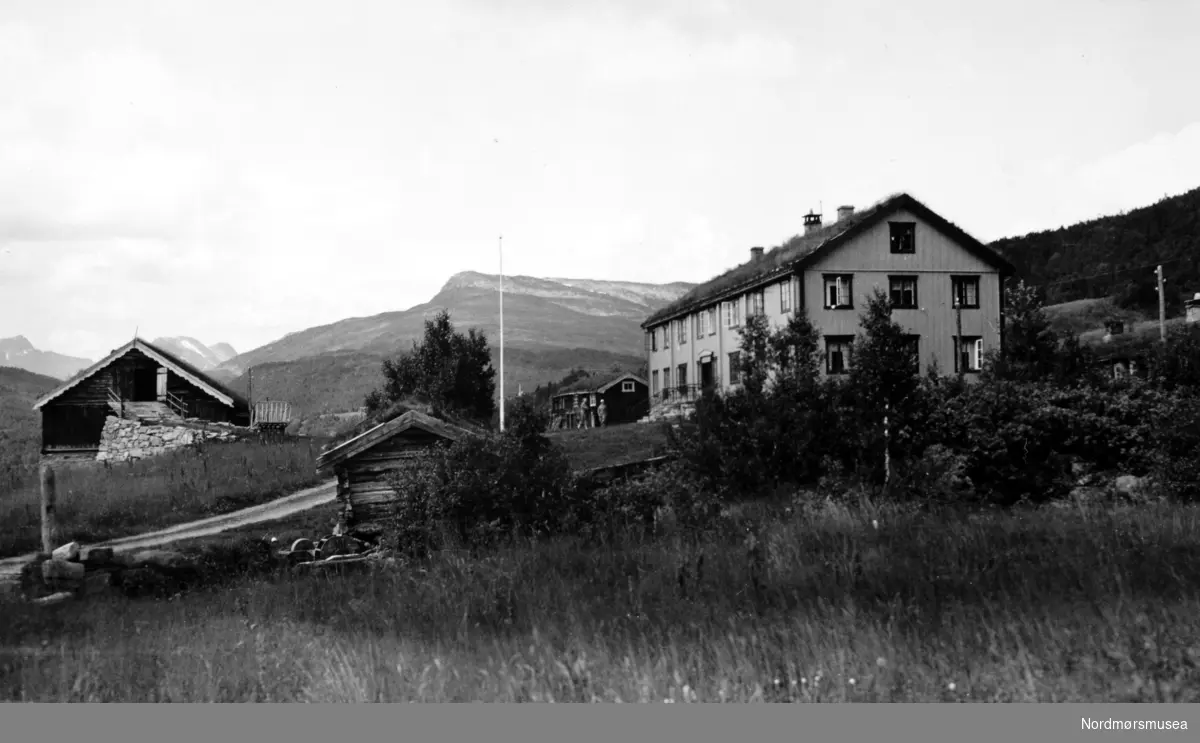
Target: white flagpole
x=502, y=333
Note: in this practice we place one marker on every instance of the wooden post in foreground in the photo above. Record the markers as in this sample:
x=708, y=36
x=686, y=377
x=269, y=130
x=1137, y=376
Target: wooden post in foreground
x=49, y=527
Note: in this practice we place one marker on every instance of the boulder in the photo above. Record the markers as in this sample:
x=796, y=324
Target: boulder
x=68, y=551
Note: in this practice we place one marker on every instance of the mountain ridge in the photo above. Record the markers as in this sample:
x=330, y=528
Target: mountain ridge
x=538, y=314
x=18, y=352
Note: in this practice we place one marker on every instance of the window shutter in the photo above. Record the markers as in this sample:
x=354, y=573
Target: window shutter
x=978, y=354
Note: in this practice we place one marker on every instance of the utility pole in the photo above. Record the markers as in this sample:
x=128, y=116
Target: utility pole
x=1162, y=305
x=502, y=334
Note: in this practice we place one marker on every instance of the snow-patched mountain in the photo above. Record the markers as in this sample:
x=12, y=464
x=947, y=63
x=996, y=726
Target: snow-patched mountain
x=539, y=315
x=196, y=353
x=18, y=352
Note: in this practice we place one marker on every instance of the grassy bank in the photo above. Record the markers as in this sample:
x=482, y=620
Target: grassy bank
x=834, y=604
x=598, y=447
x=96, y=503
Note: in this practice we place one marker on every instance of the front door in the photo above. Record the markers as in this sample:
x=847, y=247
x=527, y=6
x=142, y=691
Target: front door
x=706, y=374
x=161, y=389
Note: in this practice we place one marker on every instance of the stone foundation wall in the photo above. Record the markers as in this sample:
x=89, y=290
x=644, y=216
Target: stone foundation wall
x=126, y=440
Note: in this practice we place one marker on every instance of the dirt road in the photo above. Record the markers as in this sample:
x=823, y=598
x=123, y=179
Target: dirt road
x=271, y=511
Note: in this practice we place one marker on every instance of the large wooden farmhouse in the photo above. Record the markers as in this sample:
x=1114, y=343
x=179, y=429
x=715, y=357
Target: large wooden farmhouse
x=137, y=382
x=946, y=287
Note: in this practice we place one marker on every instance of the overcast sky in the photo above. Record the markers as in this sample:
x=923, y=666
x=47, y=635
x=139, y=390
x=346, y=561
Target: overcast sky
x=235, y=171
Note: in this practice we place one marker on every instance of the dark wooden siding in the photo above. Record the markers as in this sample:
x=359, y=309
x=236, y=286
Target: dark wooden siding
x=626, y=407
x=368, y=489
x=72, y=426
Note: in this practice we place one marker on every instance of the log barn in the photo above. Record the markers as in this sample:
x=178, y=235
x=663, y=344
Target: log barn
x=365, y=464
x=136, y=381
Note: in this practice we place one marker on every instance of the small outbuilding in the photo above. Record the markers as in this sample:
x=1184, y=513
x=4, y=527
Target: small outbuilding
x=365, y=464
x=626, y=398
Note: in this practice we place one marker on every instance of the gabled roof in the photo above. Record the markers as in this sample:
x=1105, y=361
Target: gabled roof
x=214, y=388
x=804, y=249
x=384, y=431
x=599, y=384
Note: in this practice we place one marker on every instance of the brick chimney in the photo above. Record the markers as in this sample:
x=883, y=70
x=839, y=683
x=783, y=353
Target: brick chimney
x=756, y=254
x=844, y=211
x=1192, y=308
x=812, y=223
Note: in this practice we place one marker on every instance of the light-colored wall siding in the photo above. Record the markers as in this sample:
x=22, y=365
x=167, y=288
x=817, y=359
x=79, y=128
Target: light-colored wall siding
x=869, y=259
x=936, y=260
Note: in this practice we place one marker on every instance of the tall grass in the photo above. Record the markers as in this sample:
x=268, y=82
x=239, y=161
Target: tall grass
x=98, y=502
x=825, y=604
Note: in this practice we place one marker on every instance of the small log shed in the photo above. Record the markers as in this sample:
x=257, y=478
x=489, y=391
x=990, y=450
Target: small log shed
x=365, y=463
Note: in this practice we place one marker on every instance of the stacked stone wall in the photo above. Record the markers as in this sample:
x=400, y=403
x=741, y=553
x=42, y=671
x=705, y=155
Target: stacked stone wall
x=127, y=440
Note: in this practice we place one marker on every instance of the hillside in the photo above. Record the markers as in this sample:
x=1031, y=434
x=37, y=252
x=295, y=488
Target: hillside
x=539, y=314
x=196, y=353
x=1114, y=251
x=20, y=425
x=19, y=353
x=326, y=385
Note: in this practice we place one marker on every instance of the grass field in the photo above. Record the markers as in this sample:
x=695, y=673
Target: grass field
x=597, y=447
x=854, y=605
x=96, y=503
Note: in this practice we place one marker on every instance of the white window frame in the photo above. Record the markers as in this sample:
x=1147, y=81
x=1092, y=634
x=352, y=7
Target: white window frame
x=732, y=312
x=682, y=333
x=844, y=290
x=712, y=320
x=975, y=357
x=785, y=295
x=627, y=386
x=701, y=324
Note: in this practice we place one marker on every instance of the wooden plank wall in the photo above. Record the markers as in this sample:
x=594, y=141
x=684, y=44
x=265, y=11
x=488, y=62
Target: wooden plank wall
x=368, y=491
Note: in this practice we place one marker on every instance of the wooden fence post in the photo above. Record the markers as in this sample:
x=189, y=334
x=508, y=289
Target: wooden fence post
x=49, y=527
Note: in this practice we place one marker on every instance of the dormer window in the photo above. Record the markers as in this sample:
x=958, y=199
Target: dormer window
x=903, y=237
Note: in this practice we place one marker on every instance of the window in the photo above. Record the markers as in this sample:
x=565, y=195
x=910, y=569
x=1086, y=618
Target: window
x=732, y=312
x=627, y=386
x=654, y=339
x=712, y=321
x=681, y=326
x=735, y=369
x=966, y=291
x=968, y=354
x=681, y=375
x=654, y=382
x=913, y=345
x=701, y=325
x=904, y=237
x=785, y=295
x=903, y=291
x=837, y=353
x=838, y=289
x=666, y=377
x=755, y=304
x=666, y=329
